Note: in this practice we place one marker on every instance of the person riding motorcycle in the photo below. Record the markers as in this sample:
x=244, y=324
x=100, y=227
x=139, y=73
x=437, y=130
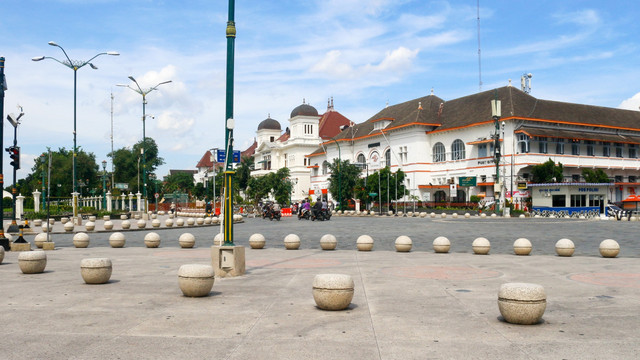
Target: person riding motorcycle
x=317, y=208
x=305, y=207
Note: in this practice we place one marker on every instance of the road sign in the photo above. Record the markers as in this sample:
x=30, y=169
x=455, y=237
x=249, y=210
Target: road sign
x=221, y=154
x=156, y=195
x=373, y=194
x=467, y=180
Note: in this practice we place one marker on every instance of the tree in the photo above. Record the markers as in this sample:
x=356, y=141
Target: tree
x=342, y=180
x=243, y=173
x=128, y=164
x=597, y=176
x=281, y=185
x=179, y=181
x=258, y=188
x=547, y=172
x=377, y=183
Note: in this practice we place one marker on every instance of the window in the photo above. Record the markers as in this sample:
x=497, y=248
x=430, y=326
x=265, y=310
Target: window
x=439, y=154
x=590, y=147
x=558, y=200
x=618, y=178
x=308, y=129
x=482, y=150
x=542, y=145
x=523, y=143
x=361, y=159
x=560, y=146
x=266, y=162
x=387, y=158
x=575, y=147
x=272, y=138
x=633, y=151
x=575, y=178
x=307, y=162
x=578, y=200
x=606, y=149
x=619, y=149
x=402, y=153
x=286, y=161
x=325, y=167
x=457, y=150
x=633, y=178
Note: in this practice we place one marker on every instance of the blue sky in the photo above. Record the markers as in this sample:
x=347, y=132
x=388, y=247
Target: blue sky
x=362, y=53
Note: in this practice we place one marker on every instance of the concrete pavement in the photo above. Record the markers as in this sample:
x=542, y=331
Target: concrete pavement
x=416, y=305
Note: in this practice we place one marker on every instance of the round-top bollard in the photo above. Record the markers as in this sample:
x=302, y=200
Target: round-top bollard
x=441, y=245
x=152, y=240
x=96, y=270
x=333, y=291
x=37, y=222
x=39, y=239
x=483, y=215
x=46, y=227
x=155, y=223
x=522, y=246
x=123, y=217
x=179, y=222
x=609, y=248
x=481, y=246
x=218, y=239
x=117, y=240
x=364, y=243
x=423, y=214
x=443, y=215
x=403, y=243
x=565, y=247
x=191, y=221
x=1, y=254
x=108, y=225
x=187, y=240
x=81, y=240
x=195, y=280
x=256, y=241
x=328, y=242
x=89, y=226
x=32, y=262
x=522, y=303
x=154, y=216
x=106, y=217
x=467, y=215
x=454, y=215
x=292, y=242
x=432, y=215
x=200, y=221
x=141, y=224
x=68, y=227
x=64, y=220
x=168, y=223
x=207, y=221
x=92, y=218
x=126, y=224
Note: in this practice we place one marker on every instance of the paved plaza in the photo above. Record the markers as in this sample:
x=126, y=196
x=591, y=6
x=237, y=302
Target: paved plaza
x=417, y=305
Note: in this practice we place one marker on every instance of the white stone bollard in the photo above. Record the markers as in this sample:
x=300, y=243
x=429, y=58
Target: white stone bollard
x=32, y=262
x=180, y=222
x=481, y=246
x=187, y=240
x=125, y=224
x=467, y=215
x=364, y=243
x=108, y=225
x=141, y=224
x=441, y=245
x=168, y=223
x=522, y=246
x=81, y=240
x=328, y=242
x=96, y=270
x=609, y=248
x=218, y=239
x=432, y=215
x=155, y=223
x=565, y=247
x=403, y=243
x=191, y=221
x=117, y=240
x=195, y=280
x=522, y=303
x=257, y=241
x=39, y=239
x=333, y=291
x=292, y=242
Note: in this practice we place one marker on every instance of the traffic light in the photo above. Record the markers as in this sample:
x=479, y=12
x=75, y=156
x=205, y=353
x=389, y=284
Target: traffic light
x=14, y=154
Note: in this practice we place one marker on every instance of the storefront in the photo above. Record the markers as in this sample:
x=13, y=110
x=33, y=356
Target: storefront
x=569, y=198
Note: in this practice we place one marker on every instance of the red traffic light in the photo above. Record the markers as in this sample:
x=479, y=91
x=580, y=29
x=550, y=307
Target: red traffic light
x=14, y=154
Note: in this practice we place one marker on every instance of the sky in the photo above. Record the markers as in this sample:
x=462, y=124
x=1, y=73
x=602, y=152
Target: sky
x=364, y=54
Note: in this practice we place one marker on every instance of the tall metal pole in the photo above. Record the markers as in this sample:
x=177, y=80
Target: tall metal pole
x=496, y=112
x=144, y=155
x=112, y=154
x=228, y=139
x=14, y=225
x=339, y=175
x=75, y=110
x=4, y=242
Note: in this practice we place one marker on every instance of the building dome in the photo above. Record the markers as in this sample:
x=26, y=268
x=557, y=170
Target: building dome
x=269, y=124
x=304, y=110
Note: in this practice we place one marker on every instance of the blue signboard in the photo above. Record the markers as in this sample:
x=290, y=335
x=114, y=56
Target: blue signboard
x=221, y=154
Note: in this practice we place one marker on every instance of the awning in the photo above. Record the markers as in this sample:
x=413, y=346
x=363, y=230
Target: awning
x=578, y=135
x=632, y=198
x=484, y=141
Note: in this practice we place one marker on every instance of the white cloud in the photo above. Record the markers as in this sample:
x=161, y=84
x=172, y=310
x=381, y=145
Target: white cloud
x=177, y=124
x=585, y=17
x=632, y=103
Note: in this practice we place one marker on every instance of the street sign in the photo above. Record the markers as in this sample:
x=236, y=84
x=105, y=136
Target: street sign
x=156, y=195
x=123, y=186
x=467, y=181
x=373, y=194
x=221, y=154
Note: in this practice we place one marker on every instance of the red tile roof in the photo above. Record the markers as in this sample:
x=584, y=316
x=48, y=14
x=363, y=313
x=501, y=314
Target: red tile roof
x=205, y=161
x=330, y=123
x=251, y=150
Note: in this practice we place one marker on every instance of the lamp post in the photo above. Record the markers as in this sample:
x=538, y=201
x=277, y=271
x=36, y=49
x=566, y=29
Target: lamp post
x=228, y=128
x=74, y=65
x=144, y=93
x=14, y=152
x=4, y=242
x=339, y=175
x=496, y=112
x=104, y=184
x=44, y=193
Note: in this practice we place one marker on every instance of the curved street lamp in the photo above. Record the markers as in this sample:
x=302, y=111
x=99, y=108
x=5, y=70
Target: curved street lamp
x=144, y=93
x=74, y=65
x=339, y=174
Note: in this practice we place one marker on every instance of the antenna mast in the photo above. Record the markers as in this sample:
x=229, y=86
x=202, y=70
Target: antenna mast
x=525, y=82
x=479, y=52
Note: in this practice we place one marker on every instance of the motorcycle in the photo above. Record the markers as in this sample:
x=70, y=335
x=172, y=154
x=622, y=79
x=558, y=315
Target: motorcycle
x=304, y=214
x=323, y=215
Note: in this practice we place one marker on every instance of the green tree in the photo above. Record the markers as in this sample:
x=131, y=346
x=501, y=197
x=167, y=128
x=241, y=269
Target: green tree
x=281, y=185
x=342, y=181
x=243, y=173
x=258, y=188
x=384, y=183
x=179, y=181
x=595, y=176
x=547, y=172
x=128, y=164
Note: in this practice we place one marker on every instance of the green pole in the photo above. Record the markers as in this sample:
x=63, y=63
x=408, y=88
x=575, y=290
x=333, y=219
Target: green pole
x=228, y=139
x=144, y=154
x=4, y=242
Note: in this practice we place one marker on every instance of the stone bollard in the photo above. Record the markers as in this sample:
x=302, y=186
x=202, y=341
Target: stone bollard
x=481, y=246
x=168, y=223
x=117, y=240
x=152, y=240
x=106, y=217
x=333, y=291
x=328, y=242
x=483, y=216
x=154, y=216
x=443, y=215
x=292, y=242
x=64, y=220
x=32, y=262
x=108, y=225
x=400, y=213
x=609, y=248
x=126, y=224
x=218, y=239
x=46, y=227
x=494, y=215
x=454, y=215
x=200, y=221
x=191, y=221
x=364, y=243
x=52, y=221
x=92, y=218
x=432, y=215
x=207, y=221
x=68, y=226
x=39, y=239
x=522, y=303
x=81, y=240
x=37, y=222
x=180, y=222
x=522, y=216
x=522, y=246
x=257, y=241
x=96, y=270
x=195, y=280
x=467, y=215
x=155, y=223
x=423, y=214
x=187, y=240
x=1, y=254
x=89, y=226
x=141, y=224
x=565, y=247
x=403, y=243
x=441, y=245
x=123, y=217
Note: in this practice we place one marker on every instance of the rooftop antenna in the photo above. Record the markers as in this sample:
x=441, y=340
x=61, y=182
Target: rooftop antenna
x=525, y=82
x=479, y=52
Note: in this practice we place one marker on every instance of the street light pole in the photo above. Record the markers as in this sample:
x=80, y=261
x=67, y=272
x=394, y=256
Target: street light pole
x=104, y=184
x=14, y=122
x=74, y=65
x=4, y=242
x=496, y=112
x=228, y=129
x=144, y=93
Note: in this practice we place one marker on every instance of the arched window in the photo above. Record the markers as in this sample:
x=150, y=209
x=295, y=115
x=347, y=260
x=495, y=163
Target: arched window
x=387, y=158
x=361, y=159
x=457, y=150
x=439, y=154
x=325, y=167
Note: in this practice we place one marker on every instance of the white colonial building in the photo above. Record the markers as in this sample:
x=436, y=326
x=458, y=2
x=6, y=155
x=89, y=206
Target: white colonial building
x=441, y=143
x=306, y=131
